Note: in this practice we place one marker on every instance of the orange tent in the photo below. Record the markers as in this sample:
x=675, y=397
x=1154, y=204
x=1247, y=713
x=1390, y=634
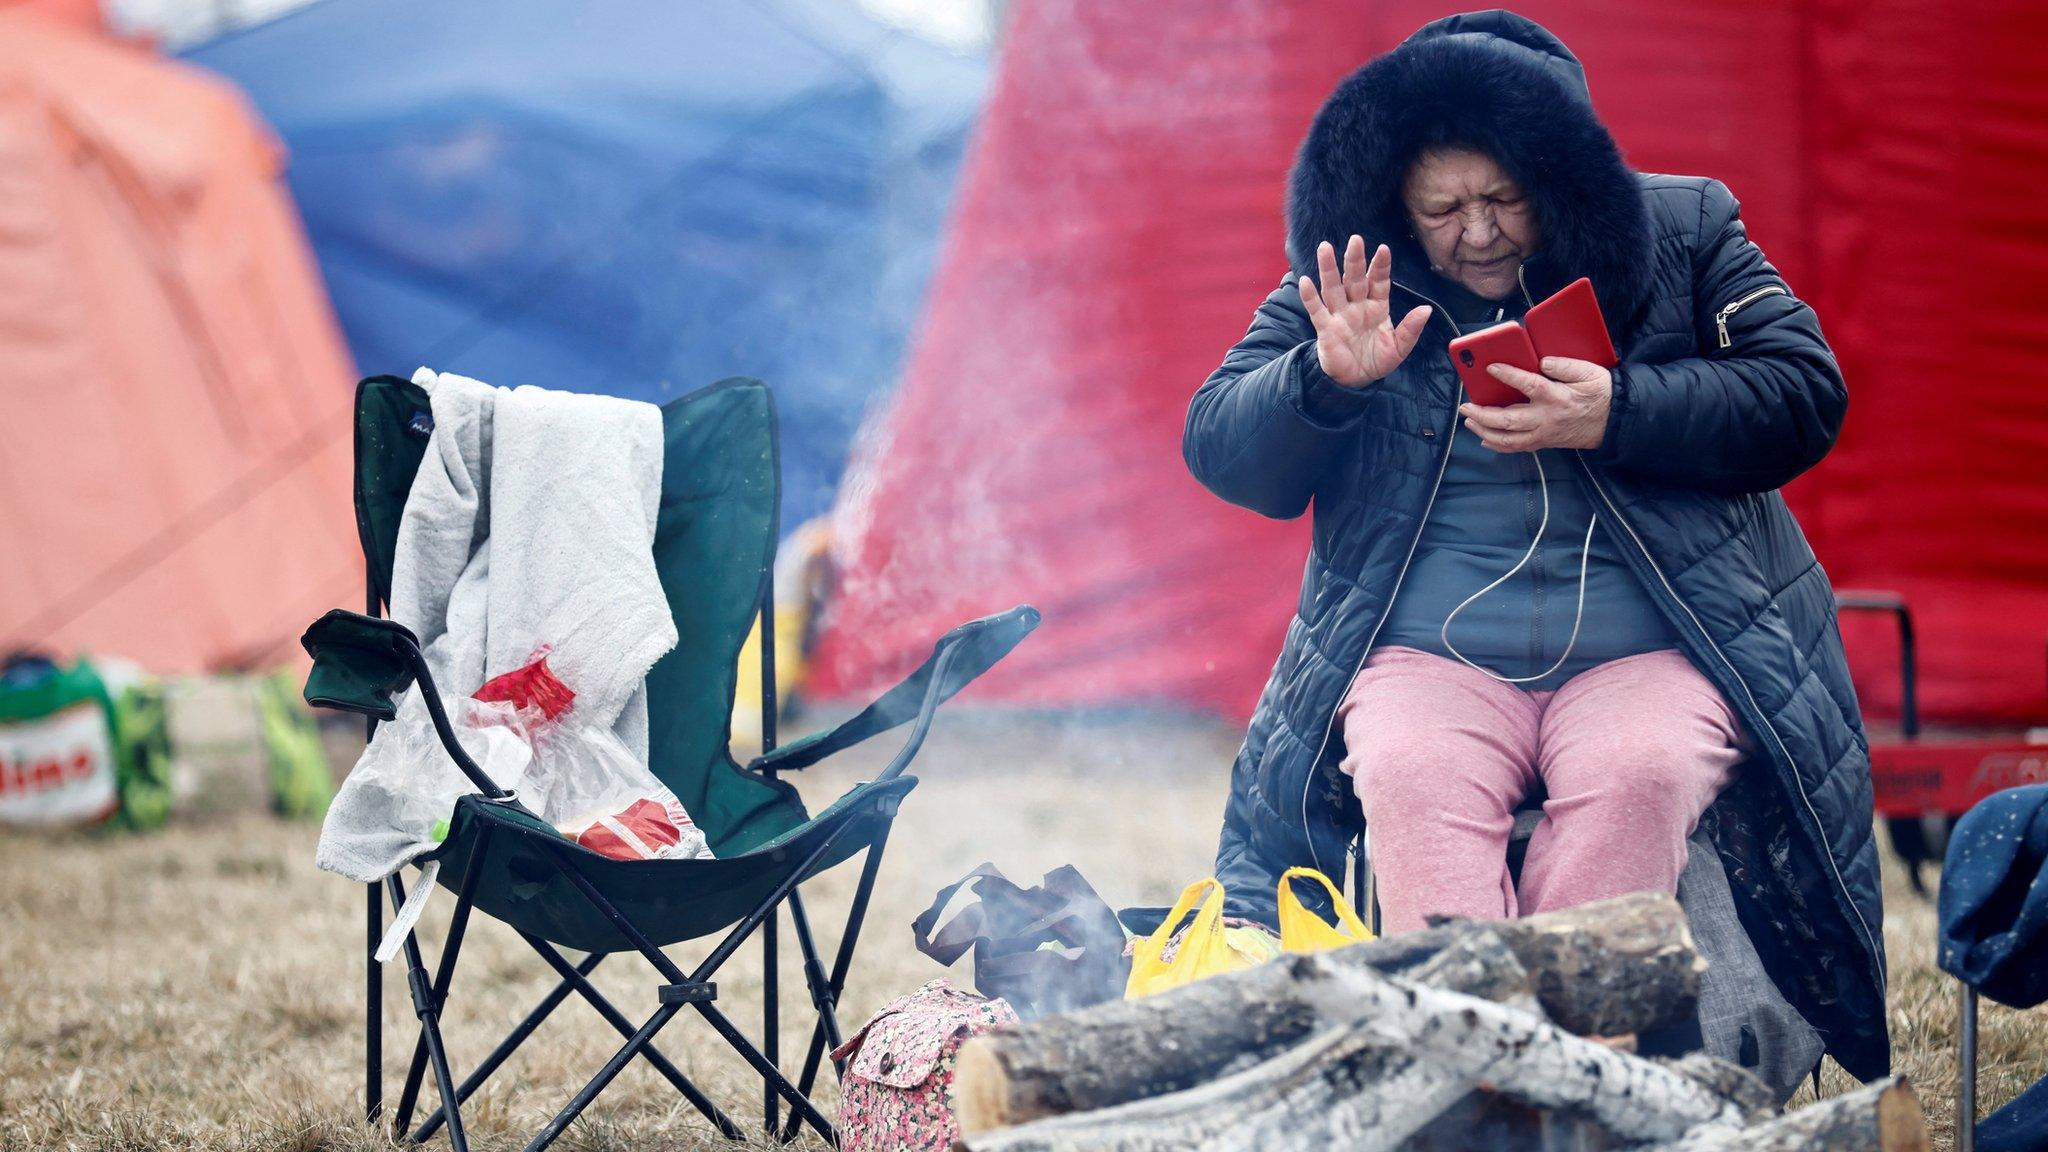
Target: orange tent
x=174, y=394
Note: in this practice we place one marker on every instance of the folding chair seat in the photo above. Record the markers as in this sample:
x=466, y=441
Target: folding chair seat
x=669, y=901
x=714, y=550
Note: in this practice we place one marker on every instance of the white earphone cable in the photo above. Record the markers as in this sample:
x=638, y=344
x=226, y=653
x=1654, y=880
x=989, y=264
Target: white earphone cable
x=1578, y=616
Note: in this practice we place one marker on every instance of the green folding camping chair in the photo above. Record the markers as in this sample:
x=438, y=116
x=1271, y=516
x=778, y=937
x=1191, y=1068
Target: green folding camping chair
x=714, y=549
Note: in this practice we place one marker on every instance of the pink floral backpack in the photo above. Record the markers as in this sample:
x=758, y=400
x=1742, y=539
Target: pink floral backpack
x=897, y=1093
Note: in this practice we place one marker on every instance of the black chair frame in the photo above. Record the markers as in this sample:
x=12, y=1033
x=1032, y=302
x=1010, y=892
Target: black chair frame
x=694, y=989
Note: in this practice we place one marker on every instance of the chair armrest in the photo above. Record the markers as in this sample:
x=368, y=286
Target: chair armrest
x=361, y=662
x=957, y=659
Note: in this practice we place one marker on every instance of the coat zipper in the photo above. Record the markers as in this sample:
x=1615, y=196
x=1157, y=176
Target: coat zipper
x=1443, y=464
x=1730, y=309
x=1764, y=721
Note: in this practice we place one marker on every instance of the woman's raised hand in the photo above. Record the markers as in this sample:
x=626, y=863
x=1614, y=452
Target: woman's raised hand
x=1356, y=340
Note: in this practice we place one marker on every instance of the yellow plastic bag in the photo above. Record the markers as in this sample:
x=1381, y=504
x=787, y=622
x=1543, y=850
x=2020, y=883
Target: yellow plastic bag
x=1205, y=950
x=1302, y=930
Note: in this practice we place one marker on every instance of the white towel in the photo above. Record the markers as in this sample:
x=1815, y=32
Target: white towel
x=530, y=523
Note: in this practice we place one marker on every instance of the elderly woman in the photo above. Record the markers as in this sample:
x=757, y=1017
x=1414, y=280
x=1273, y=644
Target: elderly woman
x=1598, y=596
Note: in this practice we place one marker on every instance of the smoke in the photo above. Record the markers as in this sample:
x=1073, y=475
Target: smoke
x=1118, y=223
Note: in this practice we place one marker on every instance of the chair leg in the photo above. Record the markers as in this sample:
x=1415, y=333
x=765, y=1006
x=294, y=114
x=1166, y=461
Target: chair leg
x=824, y=999
x=507, y=1046
x=1365, y=898
x=373, y=999
x=373, y=1014
x=824, y=993
x=444, y=974
x=618, y=1021
x=1359, y=869
x=826, y=1030
x=1966, y=1089
x=605, y=1075
x=771, y=952
x=771, y=1016
x=430, y=1024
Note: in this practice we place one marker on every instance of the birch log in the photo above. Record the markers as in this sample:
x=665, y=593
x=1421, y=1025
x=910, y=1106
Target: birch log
x=1397, y=1056
x=1128, y=1050
x=1343, y=1089
x=1883, y=1116
x=1619, y=966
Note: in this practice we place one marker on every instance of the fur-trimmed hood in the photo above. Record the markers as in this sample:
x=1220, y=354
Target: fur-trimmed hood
x=1500, y=83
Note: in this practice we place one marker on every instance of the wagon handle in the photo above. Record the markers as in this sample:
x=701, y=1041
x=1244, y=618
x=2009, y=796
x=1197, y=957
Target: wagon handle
x=1909, y=664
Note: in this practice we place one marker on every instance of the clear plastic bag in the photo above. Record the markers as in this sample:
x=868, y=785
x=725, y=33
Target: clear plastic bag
x=581, y=774
x=396, y=803
x=387, y=810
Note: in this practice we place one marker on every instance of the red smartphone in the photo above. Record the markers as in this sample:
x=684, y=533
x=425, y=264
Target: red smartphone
x=1570, y=324
x=1500, y=344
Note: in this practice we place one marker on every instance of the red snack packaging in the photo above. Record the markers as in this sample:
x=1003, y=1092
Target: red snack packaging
x=531, y=686
x=638, y=833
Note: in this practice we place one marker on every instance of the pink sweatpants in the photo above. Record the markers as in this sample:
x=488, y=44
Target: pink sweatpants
x=1631, y=752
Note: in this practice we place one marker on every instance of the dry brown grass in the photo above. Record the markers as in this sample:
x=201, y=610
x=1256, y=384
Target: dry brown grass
x=201, y=988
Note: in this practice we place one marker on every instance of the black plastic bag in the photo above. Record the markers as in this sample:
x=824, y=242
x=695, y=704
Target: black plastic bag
x=1007, y=927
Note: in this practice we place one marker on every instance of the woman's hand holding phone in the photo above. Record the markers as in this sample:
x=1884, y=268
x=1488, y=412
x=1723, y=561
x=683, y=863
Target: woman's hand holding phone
x=1567, y=407
x=1357, y=342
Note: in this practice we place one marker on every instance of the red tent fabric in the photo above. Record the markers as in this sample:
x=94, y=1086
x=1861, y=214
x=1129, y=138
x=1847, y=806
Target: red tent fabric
x=1121, y=217
x=174, y=395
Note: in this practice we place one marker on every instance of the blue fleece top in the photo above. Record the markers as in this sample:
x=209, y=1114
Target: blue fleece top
x=1486, y=512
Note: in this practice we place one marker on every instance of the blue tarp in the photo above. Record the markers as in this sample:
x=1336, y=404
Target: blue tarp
x=622, y=197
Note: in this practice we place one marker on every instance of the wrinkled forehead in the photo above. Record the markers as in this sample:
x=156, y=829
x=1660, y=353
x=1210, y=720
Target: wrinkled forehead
x=1444, y=177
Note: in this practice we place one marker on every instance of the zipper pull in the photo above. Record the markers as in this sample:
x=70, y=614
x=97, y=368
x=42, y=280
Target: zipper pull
x=1730, y=308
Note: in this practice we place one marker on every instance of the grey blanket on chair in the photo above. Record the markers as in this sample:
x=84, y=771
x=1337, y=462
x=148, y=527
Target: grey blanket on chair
x=1743, y=1017
x=530, y=523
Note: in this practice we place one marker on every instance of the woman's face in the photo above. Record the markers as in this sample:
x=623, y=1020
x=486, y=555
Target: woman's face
x=1474, y=223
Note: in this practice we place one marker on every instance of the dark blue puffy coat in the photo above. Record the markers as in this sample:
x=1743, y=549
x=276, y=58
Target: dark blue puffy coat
x=1727, y=391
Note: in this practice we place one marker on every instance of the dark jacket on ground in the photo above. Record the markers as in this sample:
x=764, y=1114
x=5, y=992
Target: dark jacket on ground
x=1727, y=391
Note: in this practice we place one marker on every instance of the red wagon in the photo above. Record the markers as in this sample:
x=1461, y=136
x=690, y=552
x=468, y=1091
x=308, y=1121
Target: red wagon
x=1925, y=779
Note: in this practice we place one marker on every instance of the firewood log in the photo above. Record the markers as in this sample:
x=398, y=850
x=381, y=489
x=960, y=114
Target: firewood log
x=1619, y=966
x=1737, y=1084
x=1341, y=1089
x=1394, y=1057
x=1478, y=964
x=1883, y=1116
x=1611, y=967
x=1128, y=1050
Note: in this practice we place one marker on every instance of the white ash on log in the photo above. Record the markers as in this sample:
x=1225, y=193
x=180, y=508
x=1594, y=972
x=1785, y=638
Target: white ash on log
x=1487, y=1119
x=1883, y=1116
x=1332, y=1091
x=1519, y=1055
x=1395, y=1057
x=1619, y=966
x=1130, y=1050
